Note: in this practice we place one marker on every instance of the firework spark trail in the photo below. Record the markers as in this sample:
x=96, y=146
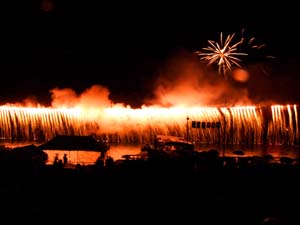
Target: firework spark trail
x=224, y=54
x=252, y=47
x=32, y=123
x=239, y=124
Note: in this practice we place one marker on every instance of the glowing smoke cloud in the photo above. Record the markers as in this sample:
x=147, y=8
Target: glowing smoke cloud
x=184, y=82
x=95, y=96
x=184, y=89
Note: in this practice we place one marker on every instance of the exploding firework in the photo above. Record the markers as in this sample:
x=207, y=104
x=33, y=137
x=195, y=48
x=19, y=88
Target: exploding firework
x=254, y=48
x=225, y=54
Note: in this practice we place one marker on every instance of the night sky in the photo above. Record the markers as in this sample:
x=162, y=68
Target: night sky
x=124, y=47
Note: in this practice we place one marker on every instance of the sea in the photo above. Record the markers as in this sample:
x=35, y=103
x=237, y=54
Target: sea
x=118, y=151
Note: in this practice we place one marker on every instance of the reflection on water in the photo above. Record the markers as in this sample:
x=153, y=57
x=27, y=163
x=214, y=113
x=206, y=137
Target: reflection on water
x=15, y=144
x=118, y=150
x=255, y=150
x=74, y=157
x=81, y=157
x=90, y=157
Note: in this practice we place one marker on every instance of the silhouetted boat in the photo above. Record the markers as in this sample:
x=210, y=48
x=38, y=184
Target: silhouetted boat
x=170, y=145
x=28, y=152
x=72, y=142
x=238, y=152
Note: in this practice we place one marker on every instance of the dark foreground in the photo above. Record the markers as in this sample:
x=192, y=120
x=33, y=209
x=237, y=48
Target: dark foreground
x=152, y=192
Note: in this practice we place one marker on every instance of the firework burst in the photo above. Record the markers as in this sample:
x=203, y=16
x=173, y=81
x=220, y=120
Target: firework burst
x=255, y=49
x=223, y=53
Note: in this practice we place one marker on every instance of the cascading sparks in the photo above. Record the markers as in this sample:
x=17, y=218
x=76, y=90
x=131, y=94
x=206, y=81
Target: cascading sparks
x=274, y=125
x=24, y=123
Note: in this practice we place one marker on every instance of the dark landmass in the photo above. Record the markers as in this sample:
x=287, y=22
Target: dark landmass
x=170, y=188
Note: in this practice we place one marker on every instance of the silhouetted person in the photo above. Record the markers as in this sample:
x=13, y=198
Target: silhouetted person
x=56, y=159
x=65, y=158
x=103, y=154
x=100, y=163
x=60, y=164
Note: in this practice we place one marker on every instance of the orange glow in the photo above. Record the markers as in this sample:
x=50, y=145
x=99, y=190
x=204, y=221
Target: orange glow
x=275, y=125
x=240, y=75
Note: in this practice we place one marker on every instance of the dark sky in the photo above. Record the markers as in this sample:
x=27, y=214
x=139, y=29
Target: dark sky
x=75, y=44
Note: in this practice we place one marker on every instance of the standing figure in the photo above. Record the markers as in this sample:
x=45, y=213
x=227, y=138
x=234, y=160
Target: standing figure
x=55, y=159
x=65, y=158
